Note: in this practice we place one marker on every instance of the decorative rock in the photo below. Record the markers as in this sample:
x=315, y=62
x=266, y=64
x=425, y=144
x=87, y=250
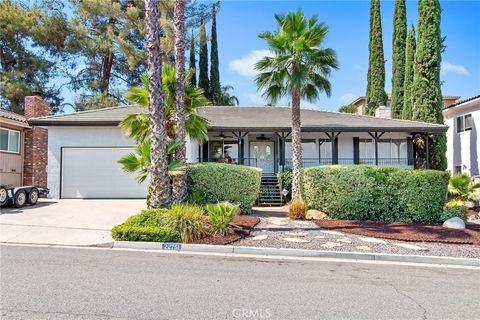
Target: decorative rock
x=305, y=223
x=336, y=233
x=297, y=234
x=260, y=237
x=278, y=221
x=454, y=223
x=295, y=240
x=365, y=248
x=275, y=226
x=315, y=215
x=331, y=245
x=319, y=237
x=344, y=240
x=410, y=246
x=372, y=240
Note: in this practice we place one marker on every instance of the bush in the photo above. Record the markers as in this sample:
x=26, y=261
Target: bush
x=455, y=211
x=297, y=209
x=189, y=220
x=146, y=226
x=375, y=193
x=220, y=215
x=213, y=182
x=285, y=181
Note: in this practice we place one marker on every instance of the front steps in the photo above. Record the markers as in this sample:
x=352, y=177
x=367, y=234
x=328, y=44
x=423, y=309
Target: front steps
x=270, y=193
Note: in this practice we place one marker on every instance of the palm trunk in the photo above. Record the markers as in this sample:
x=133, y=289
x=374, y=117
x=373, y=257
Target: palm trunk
x=296, y=145
x=160, y=192
x=180, y=181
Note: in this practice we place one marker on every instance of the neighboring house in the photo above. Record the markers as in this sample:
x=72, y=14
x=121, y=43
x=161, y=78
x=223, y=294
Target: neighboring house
x=361, y=104
x=463, y=120
x=84, y=147
x=22, y=161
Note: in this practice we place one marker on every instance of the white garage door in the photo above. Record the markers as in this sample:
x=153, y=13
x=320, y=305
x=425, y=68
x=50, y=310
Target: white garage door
x=95, y=173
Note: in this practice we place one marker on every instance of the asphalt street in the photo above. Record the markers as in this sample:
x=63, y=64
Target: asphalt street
x=71, y=283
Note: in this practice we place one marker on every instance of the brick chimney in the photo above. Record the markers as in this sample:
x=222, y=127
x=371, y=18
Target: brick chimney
x=36, y=143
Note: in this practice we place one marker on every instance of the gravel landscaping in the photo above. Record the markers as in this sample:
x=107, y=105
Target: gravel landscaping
x=278, y=232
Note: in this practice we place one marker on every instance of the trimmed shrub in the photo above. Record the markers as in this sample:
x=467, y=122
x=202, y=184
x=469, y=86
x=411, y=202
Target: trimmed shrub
x=220, y=215
x=146, y=226
x=213, y=182
x=285, y=181
x=189, y=220
x=297, y=209
x=455, y=211
x=375, y=193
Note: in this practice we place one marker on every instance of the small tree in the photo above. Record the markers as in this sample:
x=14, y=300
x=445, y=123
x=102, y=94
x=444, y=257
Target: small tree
x=349, y=108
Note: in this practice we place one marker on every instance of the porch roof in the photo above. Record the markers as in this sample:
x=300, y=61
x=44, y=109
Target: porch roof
x=253, y=119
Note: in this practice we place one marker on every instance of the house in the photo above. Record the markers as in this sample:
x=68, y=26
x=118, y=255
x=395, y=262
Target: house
x=463, y=145
x=84, y=147
x=22, y=161
x=361, y=104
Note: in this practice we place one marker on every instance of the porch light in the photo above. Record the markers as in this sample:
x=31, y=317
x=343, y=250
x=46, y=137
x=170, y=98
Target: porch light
x=284, y=192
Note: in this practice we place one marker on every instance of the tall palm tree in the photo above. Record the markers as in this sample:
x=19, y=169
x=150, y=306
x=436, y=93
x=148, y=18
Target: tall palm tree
x=299, y=69
x=160, y=192
x=179, y=187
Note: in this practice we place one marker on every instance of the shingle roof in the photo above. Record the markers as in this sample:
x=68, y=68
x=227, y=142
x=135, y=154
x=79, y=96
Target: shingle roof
x=12, y=116
x=253, y=119
x=462, y=102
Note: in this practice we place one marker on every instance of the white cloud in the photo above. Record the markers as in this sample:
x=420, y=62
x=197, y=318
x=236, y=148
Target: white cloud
x=348, y=97
x=245, y=65
x=454, y=68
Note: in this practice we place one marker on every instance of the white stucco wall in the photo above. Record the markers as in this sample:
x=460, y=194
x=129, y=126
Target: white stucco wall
x=59, y=137
x=463, y=148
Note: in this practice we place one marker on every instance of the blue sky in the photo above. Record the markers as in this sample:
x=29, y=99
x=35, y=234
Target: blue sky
x=239, y=23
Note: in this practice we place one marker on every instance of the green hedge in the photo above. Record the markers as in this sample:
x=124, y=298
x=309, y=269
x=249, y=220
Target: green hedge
x=212, y=182
x=376, y=193
x=146, y=226
x=285, y=181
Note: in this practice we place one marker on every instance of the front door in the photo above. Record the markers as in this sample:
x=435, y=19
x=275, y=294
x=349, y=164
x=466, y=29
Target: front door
x=263, y=155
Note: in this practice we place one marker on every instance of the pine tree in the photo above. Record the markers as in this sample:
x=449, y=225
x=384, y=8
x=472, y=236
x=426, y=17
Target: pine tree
x=203, y=62
x=398, y=57
x=376, y=95
x=215, y=88
x=192, y=66
x=427, y=98
x=407, y=111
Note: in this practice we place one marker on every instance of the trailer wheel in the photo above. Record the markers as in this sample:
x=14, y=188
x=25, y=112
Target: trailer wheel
x=33, y=196
x=3, y=195
x=20, y=198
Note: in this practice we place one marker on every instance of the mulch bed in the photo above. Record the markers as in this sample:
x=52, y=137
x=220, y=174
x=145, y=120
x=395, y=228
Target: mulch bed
x=244, y=225
x=405, y=231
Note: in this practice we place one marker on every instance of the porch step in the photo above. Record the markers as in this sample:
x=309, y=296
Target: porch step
x=270, y=194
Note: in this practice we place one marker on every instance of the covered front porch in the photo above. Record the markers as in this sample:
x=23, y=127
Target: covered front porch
x=271, y=151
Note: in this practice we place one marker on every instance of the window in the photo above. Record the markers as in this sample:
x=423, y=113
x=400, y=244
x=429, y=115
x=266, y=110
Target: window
x=9, y=140
x=464, y=123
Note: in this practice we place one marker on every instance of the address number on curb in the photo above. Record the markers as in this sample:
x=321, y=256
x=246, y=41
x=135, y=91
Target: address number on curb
x=172, y=246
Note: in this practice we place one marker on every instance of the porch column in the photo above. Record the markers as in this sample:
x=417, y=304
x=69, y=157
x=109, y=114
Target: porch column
x=427, y=151
x=410, y=154
x=320, y=142
x=356, y=150
x=282, y=136
x=376, y=136
x=241, y=151
x=334, y=142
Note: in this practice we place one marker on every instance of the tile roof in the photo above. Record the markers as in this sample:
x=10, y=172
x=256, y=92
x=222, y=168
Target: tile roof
x=462, y=102
x=12, y=116
x=252, y=119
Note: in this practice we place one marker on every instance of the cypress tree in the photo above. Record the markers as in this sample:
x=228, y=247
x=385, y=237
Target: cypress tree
x=192, y=66
x=215, y=89
x=427, y=98
x=376, y=95
x=398, y=57
x=407, y=111
x=203, y=62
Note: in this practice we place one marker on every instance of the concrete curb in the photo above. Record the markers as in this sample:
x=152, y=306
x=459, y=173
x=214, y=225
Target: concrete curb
x=299, y=253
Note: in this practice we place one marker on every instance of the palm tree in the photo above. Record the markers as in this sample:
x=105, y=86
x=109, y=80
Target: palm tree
x=462, y=189
x=179, y=188
x=299, y=68
x=159, y=189
x=226, y=99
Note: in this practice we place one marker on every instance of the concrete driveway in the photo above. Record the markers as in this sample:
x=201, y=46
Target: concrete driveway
x=65, y=222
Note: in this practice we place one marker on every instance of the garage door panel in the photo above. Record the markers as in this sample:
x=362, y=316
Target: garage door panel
x=95, y=173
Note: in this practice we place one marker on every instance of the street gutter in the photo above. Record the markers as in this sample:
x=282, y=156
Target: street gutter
x=297, y=253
